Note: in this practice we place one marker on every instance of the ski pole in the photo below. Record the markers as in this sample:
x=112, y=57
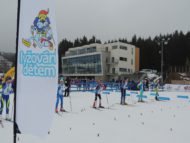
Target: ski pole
x=12, y=112
x=107, y=100
x=70, y=103
x=106, y=93
x=1, y=124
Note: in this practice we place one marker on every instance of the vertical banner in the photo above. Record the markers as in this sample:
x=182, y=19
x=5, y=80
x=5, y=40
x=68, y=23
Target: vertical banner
x=37, y=66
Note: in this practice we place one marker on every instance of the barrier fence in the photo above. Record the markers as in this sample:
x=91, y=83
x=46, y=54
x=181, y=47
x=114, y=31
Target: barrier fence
x=116, y=87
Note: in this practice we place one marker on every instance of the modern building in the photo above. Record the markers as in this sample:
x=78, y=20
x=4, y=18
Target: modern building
x=101, y=61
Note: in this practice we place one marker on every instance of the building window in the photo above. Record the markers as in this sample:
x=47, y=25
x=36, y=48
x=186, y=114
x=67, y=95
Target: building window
x=114, y=47
x=106, y=49
x=91, y=49
x=113, y=70
x=122, y=69
x=123, y=47
x=108, y=69
x=122, y=59
x=132, y=51
x=82, y=51
x=106, y=60
x=112, y=59
x=88, y=50
x=131, y=61
x=73, y=53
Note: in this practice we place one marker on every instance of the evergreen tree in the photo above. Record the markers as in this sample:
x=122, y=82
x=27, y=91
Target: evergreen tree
x=84, y=41
x=92, y=40
x=187, y=63
x=134, y=40
x=64, y=45
x=76, y=43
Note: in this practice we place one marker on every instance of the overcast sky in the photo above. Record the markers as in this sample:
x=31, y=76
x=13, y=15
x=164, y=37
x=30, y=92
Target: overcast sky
x=106, y=19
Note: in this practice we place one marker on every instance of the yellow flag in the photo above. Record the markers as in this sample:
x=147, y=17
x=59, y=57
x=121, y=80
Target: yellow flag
x=10, y=73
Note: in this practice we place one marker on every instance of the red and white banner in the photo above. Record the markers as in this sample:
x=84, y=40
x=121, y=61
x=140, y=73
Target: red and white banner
x=37, y=66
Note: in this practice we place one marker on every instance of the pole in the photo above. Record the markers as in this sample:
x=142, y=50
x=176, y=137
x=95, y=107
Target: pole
x=70, y=103
x=15, y=90
x=162, y=60
x=107, y=101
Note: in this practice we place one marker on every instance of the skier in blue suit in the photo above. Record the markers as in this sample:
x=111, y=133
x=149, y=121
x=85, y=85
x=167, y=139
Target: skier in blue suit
x=5, y=100
x=141, y=87
x=60, y=91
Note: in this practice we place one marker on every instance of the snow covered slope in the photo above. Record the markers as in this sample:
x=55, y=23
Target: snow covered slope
x=149, y=122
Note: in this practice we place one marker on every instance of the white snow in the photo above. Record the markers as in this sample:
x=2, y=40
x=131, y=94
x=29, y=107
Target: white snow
x=149, y=122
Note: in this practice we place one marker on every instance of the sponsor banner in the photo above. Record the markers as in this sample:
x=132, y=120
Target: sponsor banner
x=177, y=87
x=37, y=66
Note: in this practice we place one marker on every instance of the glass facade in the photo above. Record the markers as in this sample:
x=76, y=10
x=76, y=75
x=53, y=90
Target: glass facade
x=90, y=49
x=90, y=64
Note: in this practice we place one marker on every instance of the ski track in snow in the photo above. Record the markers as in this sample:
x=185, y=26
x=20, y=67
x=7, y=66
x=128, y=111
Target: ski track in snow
x=149, y=122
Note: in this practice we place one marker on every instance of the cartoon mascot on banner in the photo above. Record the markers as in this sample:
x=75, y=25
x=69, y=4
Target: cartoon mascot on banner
x=42, y=36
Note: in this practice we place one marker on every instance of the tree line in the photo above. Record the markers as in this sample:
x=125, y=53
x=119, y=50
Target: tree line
x=176, y=49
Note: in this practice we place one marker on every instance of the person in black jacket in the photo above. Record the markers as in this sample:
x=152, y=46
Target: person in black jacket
x=68, y=85
x=123, y=87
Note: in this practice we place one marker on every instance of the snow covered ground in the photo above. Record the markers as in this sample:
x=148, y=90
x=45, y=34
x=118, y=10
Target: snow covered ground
x=149, y=122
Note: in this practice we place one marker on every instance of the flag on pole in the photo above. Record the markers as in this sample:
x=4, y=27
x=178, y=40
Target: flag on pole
x=37, y=66
x=9, y=73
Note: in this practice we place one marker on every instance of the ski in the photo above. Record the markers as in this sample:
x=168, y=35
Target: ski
x=110, y=108
x=1, y=123
x=59, y=114
x=7, y=120
x=101, y=107
x=97, y=108
x=122, y=104
x=65, y=111
x=126, y=105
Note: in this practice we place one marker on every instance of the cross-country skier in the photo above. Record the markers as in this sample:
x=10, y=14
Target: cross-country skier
x=99, y=88
x=141, y=87
x=60, y=91
x=156, y=85
x=123, y=87
x=5, y=101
